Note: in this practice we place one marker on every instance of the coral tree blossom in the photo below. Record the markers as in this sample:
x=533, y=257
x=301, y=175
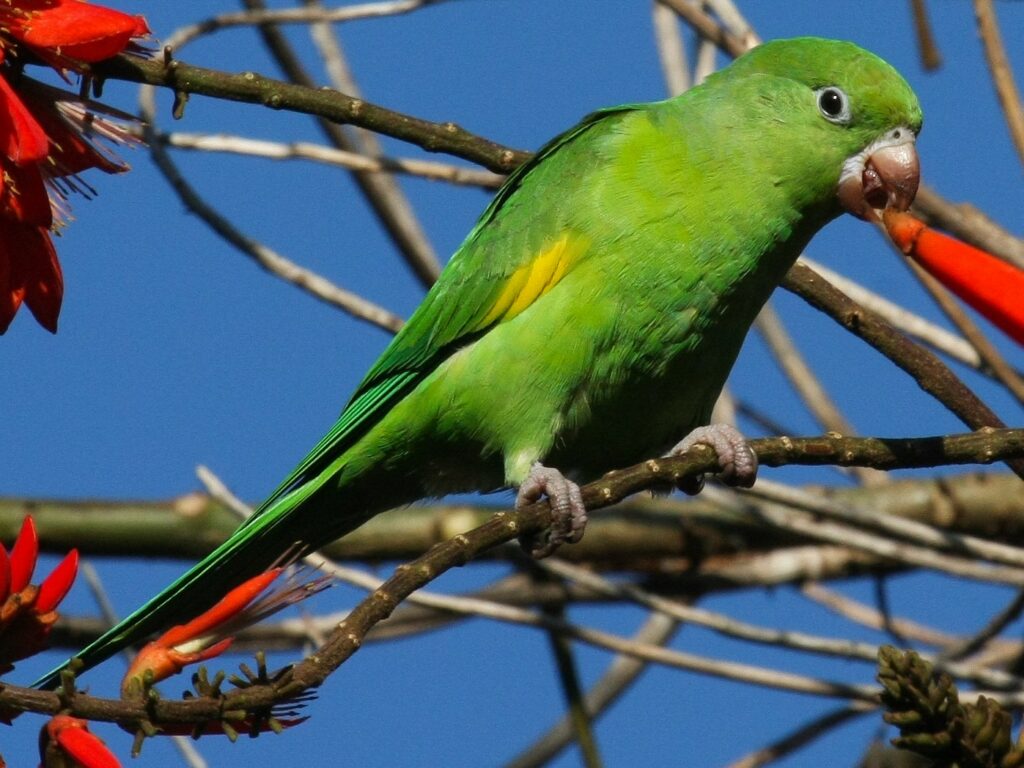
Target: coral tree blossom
x=212, y=632
x=66, y=741
x=28, y=611
x=992, y=286
x=48, y=137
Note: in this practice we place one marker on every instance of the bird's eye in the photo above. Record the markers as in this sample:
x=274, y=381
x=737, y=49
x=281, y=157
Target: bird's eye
x=833, y=104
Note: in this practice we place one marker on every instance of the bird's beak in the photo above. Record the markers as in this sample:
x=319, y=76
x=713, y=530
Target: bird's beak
x=884, y=175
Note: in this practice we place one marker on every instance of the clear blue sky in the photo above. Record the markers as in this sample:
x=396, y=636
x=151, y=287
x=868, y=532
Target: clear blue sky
x=175, y=351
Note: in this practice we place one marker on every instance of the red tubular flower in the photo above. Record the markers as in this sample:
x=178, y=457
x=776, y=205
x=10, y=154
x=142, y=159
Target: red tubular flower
x=46, y=140
x=991, y=286
x=65, y=32
x=211, y=633
x=67, y=742
x=28, y=611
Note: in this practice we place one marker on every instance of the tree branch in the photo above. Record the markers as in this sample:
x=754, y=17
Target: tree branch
x=347, y=638
x=253, y=88
x=930, y=373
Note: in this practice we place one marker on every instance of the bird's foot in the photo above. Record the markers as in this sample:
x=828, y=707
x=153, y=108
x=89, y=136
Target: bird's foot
x=568, y=515
x=736, y=459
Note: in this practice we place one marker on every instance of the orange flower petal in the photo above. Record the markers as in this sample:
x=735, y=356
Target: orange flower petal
x=990, y=285
x=78, y=30
x=232, y=604
x=72, y=735
x=57, y=584
x=23, y=555
x=165, y=661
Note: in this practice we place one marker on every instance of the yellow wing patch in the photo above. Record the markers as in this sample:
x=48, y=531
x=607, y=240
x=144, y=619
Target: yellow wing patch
x=534, y=279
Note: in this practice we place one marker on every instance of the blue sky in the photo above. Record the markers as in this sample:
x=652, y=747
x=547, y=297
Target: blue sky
x=176, y=351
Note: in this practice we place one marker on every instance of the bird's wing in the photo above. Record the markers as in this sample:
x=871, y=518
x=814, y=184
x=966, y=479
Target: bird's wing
x=493, y=277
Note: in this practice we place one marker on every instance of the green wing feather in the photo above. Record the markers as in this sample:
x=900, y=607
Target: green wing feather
x=451, y=316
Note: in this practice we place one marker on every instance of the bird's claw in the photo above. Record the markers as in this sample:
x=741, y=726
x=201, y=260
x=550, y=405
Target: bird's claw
x=568, y=515
x=736, y=459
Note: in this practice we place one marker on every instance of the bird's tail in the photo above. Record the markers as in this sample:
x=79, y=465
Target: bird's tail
x=250, y=550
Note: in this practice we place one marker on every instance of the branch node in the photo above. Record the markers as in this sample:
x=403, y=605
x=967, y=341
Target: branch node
x=178, y=108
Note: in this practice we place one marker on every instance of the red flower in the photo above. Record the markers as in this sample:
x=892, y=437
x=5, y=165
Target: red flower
x=66, y=32
x=992, y=286
x=47, y=137
x=28, y=611
x=66, y=741
x=211, y=633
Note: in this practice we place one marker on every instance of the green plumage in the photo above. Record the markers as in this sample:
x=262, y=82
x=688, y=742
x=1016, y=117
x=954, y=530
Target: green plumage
x=591, y=317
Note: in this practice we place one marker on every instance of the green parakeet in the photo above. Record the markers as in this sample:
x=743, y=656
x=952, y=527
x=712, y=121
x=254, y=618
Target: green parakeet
x=590, y=318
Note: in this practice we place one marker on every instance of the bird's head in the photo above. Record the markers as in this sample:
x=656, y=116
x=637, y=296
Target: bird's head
x=858, y=119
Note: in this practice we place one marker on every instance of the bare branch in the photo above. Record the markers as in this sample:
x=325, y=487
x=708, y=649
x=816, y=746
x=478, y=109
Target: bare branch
x=658, y=629
x=308, y=15
x=928, y=371
x=252, y=88
x=300, y=150
x=707, y=27
x=671, y=52
x=1002, y=74
x=268, y=259
x=931, y=59
x=987, y=351
x=912, y=324
x=802, y=736
x=383, y=194
x=969, y=224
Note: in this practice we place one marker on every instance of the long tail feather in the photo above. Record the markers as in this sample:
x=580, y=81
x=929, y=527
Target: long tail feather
x=251, y=549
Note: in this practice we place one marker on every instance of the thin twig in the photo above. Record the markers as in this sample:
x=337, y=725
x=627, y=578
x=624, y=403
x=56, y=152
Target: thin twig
x=867, y=616
x=300, y=150
x=931, y=59
x=930, y=373
x=707, y=61
x=187, y=34
x=806, y=383
x=811, y=526
x=992, y=628
x=268, y=259
x=899, y=528
x=802, y=736
x=912, y=324
x=800, y=375
x=730, y=627
x=249, y=87
x=671, y=52
x=987, y=351
x=568, y=675
x=392, y=206
x=1002, y=74
x=381, y=192
x=969, y=224
x=658, y=629
x=882, y=602
x=705, y=26
x=733, y=20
